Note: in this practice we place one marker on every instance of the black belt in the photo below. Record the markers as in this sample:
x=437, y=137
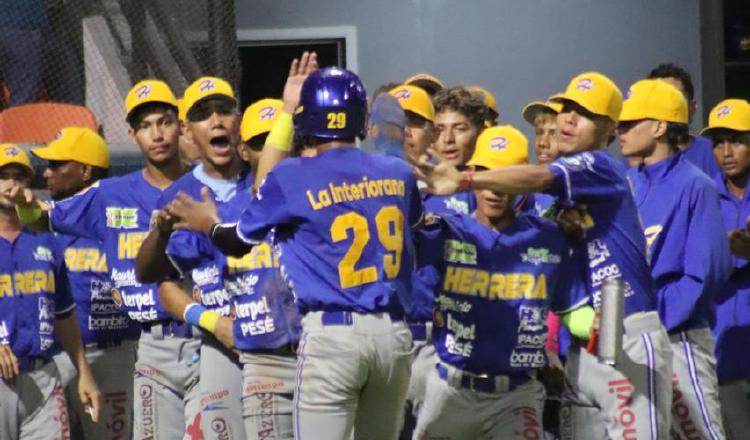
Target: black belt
x=485, y=383
x=170, y=327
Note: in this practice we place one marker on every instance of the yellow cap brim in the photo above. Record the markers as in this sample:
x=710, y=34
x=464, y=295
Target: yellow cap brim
x=534, y=108
x=50, y=153
x=562, y=97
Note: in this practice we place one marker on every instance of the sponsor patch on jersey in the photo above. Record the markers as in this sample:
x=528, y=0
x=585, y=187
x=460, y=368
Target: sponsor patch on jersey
x=122, y=218
x=42, y=253
x=598, y=253
x=460, y=252
x=579, y=161
x=116, y=297
x=457, y=205
x=537, y=256
x=652, y=233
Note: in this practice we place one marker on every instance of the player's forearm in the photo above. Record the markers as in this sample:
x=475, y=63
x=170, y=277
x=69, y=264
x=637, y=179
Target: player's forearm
x=224, y=236
x=151, y=263
x=174, y=299
x=69, y=336
x=278, y=146
x=518, y=179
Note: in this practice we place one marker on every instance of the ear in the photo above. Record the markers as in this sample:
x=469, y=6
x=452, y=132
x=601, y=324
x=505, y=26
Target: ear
x=87, y=172
x=131, y=135
x=659, y=129
x=692, y=106
x=186, y=129
x=244, y=151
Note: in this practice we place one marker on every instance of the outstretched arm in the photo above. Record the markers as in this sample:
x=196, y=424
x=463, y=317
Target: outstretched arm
x=151, y=263
x=279, y=142
x=445, y=179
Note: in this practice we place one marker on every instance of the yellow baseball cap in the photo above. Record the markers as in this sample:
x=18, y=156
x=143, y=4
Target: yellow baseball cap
x=415, y=100
x=78, y=144
x=654, y=99
x=425, y=81
x=259, y=117
x=489, y=99
x=500, y=146
x=181, y=109
x=11, y=153
x=205, y=87
x=731, y=114
x=148, y=90
x=535, y=107
x=594, y=92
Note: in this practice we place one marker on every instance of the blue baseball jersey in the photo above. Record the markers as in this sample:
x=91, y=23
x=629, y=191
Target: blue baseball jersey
x=495, y=288
x=700, y=153
x=117, y=212
x=33, y=291
x=343, y=222
x=615, y=245
x=250, y=287
x=99, y=317
x=677, y=201
x=732, y=328
x=459, y=203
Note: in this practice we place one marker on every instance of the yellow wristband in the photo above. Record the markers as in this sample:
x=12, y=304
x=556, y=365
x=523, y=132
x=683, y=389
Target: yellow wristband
x=28, y=213
x=208, y=320
x=282, y=132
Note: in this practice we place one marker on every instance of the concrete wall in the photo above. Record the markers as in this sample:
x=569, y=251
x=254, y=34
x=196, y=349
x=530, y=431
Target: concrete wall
x=520, y=50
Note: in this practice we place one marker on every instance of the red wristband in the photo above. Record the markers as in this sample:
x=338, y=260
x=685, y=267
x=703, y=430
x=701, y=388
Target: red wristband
x=467, y=177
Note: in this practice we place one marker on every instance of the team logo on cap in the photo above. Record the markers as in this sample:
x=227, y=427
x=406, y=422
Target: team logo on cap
x=143, y=91
x=267, y=113
x=585, y=84
x=58, y=135
x=498, y=143
x=402, y=94
x=628, y=94
x=11, y=151
x=723, y=111
x=206, y=85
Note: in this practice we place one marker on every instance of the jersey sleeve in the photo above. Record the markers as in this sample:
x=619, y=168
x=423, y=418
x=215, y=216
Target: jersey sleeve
x=63, y=296
x=268, y=209
x=188, y=250
x=707, y=262
x=585, y=175
x=82, y=214
x=429, y=246
x=571, y=290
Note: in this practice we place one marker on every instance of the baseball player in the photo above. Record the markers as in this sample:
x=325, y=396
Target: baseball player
x=628, y=399
x=420, y=115
x=342, y=221
x=729, y=130
x=696, y=149
x=74, y=161
x=495, y=275
x=426, y=82
x=118, y=211
x=35, y=316
x=676, y=200
x=492, y=114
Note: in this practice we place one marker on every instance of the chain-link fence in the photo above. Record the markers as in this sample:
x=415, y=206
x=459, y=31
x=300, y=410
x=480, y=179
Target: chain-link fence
x=87, y=54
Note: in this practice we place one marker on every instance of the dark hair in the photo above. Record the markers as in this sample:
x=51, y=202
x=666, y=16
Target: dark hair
x=257, y=142
x=669, y=70
x=460, y=99
x=385, y=88
x=677, y=134
x=136, y=116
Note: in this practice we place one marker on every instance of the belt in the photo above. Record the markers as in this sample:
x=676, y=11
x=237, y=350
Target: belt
x=485, y=383
x=103, y=345
x=284, y=350
x=30, y=363
x=169, y=327
x=421, y=331
x=346, y=318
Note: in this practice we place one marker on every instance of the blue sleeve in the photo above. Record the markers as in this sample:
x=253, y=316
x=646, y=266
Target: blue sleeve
x=430, y=253
x=63, y=296
x=707, y=260
x=188, y=250
x=267, y=210
x=585, y=175
x=571, y=290
x=81, y=215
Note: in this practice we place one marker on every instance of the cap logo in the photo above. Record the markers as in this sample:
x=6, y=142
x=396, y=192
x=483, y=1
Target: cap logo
x=402, y=94
x=143, y=91
x=267, y=113
x=723, y=111
x=58, y=135
x=11, y=151
x=498, y=143
x=585, y=84
x=206, y=85
x=628, y=94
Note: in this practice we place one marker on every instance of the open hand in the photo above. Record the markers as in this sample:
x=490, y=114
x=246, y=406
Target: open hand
x=298, y=72
x=192, y=214
x=441, y=178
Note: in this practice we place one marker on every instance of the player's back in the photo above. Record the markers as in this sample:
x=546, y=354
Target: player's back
x=347, y=244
